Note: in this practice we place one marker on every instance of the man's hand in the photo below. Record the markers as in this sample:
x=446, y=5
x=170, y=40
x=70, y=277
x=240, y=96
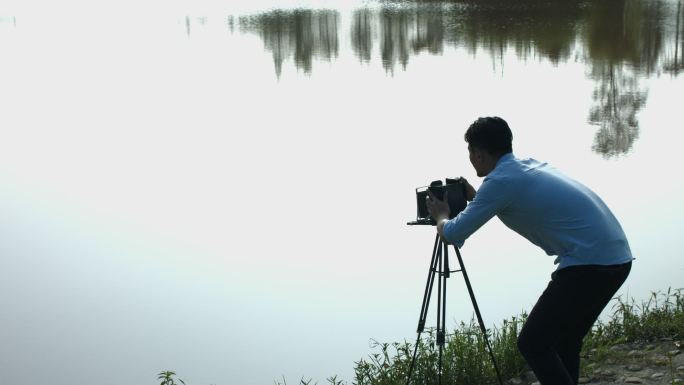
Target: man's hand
x=438, y=209
x=470, y=190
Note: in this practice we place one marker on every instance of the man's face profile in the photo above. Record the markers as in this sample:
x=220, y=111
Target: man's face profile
x=476, y=159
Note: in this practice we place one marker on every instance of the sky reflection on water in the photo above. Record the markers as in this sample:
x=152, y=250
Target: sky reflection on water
x=225, y=194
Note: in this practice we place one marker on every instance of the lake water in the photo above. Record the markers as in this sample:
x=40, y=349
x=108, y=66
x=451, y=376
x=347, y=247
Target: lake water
x=222, y=189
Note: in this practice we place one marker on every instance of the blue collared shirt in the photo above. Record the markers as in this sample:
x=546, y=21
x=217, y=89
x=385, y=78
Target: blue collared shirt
x=551, y=210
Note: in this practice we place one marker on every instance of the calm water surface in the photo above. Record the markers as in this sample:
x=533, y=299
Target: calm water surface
x=222, y=189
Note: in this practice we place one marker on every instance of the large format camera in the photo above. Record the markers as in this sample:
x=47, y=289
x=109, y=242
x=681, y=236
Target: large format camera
x=457, y=199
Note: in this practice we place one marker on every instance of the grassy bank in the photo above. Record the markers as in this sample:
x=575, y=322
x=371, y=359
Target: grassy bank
x=466, y=359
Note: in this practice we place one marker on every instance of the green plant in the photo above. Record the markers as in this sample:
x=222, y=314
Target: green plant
x=166, y=378
x=662, y=315
x=466, y=359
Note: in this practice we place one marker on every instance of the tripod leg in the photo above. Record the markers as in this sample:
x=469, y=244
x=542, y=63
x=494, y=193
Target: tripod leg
x=426, y=302
x=444, y=274
x=440, y=313
x=428, y=285
x=477, y=313
x=441, y=309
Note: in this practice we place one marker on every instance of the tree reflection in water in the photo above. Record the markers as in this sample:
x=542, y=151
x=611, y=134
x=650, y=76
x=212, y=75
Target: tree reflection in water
x=617, y=99
x=624, y=43
x=302, y=34
x=394, y=40
x=676, y=63
x=362, y=34
x=402, y=33
x=620, y=41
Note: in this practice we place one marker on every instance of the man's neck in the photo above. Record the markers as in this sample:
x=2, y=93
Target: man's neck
x=491, y=161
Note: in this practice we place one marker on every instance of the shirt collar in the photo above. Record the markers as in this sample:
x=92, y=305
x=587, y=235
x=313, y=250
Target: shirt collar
x=498, y=167
x=504, y=158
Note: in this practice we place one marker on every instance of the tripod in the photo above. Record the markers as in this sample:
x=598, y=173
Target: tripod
x=440, y=265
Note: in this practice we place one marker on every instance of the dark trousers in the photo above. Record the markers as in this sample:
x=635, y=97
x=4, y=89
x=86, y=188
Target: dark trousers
x=551, y=339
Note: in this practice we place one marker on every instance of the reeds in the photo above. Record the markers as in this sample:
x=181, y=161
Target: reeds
x=466, y=359
x=662, y=315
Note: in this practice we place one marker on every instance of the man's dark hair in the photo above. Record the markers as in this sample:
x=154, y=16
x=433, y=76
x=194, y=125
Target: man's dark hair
x=491, y=134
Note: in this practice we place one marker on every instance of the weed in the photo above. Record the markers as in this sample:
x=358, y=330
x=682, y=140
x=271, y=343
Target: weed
x=166, y=378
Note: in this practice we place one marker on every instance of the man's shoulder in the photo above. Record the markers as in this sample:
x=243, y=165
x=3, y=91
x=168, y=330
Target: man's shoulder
x=528, y=163
x=513, y=167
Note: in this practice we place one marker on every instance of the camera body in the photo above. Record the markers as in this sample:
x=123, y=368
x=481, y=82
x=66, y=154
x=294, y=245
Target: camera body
x=457, y=199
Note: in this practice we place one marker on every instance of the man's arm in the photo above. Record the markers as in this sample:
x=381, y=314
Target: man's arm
x=492, y=197
x=440, y=227
x=439, y=210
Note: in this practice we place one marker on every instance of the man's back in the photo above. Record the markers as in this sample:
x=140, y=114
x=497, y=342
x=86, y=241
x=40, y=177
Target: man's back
x=551, y=210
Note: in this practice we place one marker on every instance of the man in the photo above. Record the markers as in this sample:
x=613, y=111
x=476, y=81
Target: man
x=566, y=220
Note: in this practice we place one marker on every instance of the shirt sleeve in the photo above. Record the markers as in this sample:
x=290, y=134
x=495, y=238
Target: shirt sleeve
x=492, y=197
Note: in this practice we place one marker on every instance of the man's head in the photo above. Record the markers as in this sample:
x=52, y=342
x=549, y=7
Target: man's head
x=488, y=140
